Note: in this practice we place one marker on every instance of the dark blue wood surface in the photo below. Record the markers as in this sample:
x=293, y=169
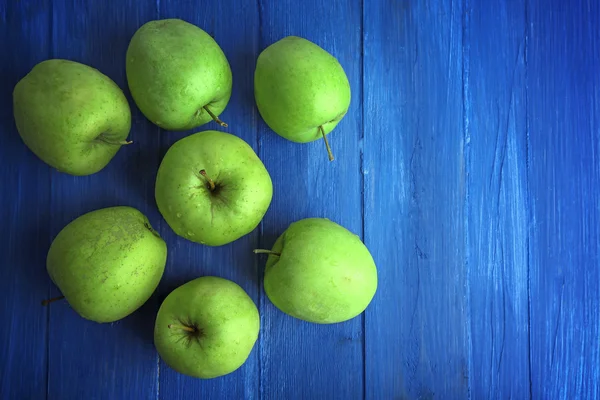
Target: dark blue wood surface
x=468, y=162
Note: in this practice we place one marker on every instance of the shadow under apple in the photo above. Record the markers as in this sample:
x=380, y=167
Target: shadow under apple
x=29, y=251
x=140, y=168
x=11, y=141
x=141, y=322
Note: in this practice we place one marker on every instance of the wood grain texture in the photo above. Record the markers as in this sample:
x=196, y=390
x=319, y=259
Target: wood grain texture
x=300, y=360
x=416, y=341
x=497, y=236
x=235, y=29
x=24, y=181
x=468, y=163
x=563, y=108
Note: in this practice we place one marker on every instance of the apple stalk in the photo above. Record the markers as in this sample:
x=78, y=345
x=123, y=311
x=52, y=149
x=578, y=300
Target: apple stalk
x=329, y=153
x=215, y=118
x=182, y=327
x=116, y=143
x=269, y=252
x=211, y=183
x=52, y=300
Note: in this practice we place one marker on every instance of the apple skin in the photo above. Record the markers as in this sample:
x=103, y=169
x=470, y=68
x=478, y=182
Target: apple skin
x=243, y=188
x=298, y=87
x=324, y=273
x=226, y=324
x=107, y=263
x=71, y=116
x=174, y=69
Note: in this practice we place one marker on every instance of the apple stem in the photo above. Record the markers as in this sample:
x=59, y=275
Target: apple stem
x=119, y=143
x=185, y=328
x=270, y=252
x=52, y=300
x=211, y=184
x=213, y=116
x=329, y=153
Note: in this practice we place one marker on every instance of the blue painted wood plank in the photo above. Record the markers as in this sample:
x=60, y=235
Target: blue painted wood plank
x=476, y=166
x=300, y=360
x=86, y=359
x=497, y=198
x=24, y=180
x=416, y=336
x=235, y=28
x=564, y=177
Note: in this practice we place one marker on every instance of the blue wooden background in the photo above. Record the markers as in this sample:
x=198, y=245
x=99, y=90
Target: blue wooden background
x=468, y=163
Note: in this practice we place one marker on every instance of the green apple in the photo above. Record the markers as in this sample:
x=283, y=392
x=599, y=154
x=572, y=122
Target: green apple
x=178, y=75
x=71, y=116
x=320, y=272
x=107, y=263
x=206, y=328
x=212, y=188
x=301, y=90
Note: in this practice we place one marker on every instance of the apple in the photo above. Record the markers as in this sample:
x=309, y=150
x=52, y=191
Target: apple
x=107, y=263
x=301, y=91
x=212, y=188
x=71, y=116
x=206, y=328
x=318, y=271
x=177, y=74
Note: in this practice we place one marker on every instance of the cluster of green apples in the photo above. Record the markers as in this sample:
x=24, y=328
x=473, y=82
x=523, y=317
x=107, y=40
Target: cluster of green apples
x=211, y=188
